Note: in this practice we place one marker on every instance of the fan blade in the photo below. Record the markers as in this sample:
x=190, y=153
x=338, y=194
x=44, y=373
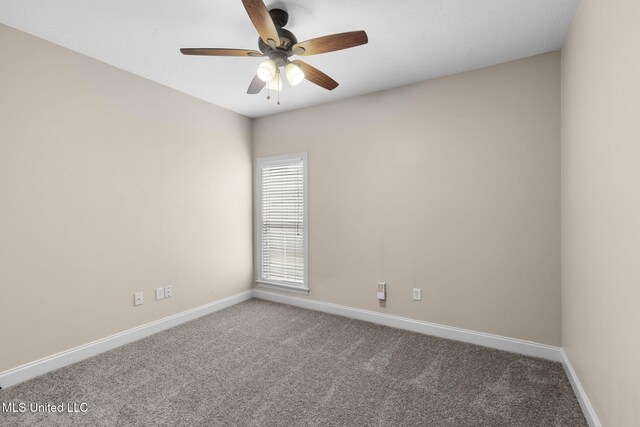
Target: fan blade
x=330, y=43
x=256, y=86
x=316, y=76
x=219, y=52
x=262, y=21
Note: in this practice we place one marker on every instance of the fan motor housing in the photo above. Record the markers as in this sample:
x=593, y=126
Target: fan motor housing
x=287, y=38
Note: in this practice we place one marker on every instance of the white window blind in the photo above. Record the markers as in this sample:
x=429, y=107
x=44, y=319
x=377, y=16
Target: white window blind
x=282, y=220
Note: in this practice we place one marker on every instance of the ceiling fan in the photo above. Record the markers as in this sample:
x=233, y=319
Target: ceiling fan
x=279, y=45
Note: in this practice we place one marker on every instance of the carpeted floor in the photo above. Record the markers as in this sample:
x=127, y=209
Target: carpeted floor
x=265, y=364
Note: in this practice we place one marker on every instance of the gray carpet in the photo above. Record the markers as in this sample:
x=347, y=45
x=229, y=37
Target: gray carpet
x=265, y=364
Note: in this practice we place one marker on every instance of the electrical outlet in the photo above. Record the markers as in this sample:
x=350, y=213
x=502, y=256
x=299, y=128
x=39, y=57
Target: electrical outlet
x=138, y=298
x=168, y=291
x=159, y=294
x=382, y=291
x=417, y=294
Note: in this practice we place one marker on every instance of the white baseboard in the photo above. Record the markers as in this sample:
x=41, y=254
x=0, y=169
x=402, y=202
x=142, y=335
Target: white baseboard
x=51, y=363
x=581, y=395
x=56, y=361
x=480, y=338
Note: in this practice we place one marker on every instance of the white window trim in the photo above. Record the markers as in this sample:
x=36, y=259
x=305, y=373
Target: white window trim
x=271, y=284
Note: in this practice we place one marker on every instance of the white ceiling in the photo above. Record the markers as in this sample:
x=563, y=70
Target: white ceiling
x=409, y=40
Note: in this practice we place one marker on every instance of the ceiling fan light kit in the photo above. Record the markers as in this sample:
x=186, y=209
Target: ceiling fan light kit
x=294, y=74
x=275, y=83
x=266, y=71
x=279, y=44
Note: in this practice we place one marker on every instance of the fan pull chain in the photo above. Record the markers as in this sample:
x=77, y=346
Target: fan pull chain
x=278, y=97
x=268, y=93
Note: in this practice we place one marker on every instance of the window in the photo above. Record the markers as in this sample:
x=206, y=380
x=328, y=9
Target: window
x=281, y=208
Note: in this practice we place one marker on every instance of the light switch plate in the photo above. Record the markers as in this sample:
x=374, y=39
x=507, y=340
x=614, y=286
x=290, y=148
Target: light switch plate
x=159, y=293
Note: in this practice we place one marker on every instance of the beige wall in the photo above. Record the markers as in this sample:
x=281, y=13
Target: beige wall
x=601, y=206
x=110, y=184
x=450, y=185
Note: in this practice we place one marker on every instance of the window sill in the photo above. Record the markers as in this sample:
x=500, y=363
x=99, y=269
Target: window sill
x=282, y=287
